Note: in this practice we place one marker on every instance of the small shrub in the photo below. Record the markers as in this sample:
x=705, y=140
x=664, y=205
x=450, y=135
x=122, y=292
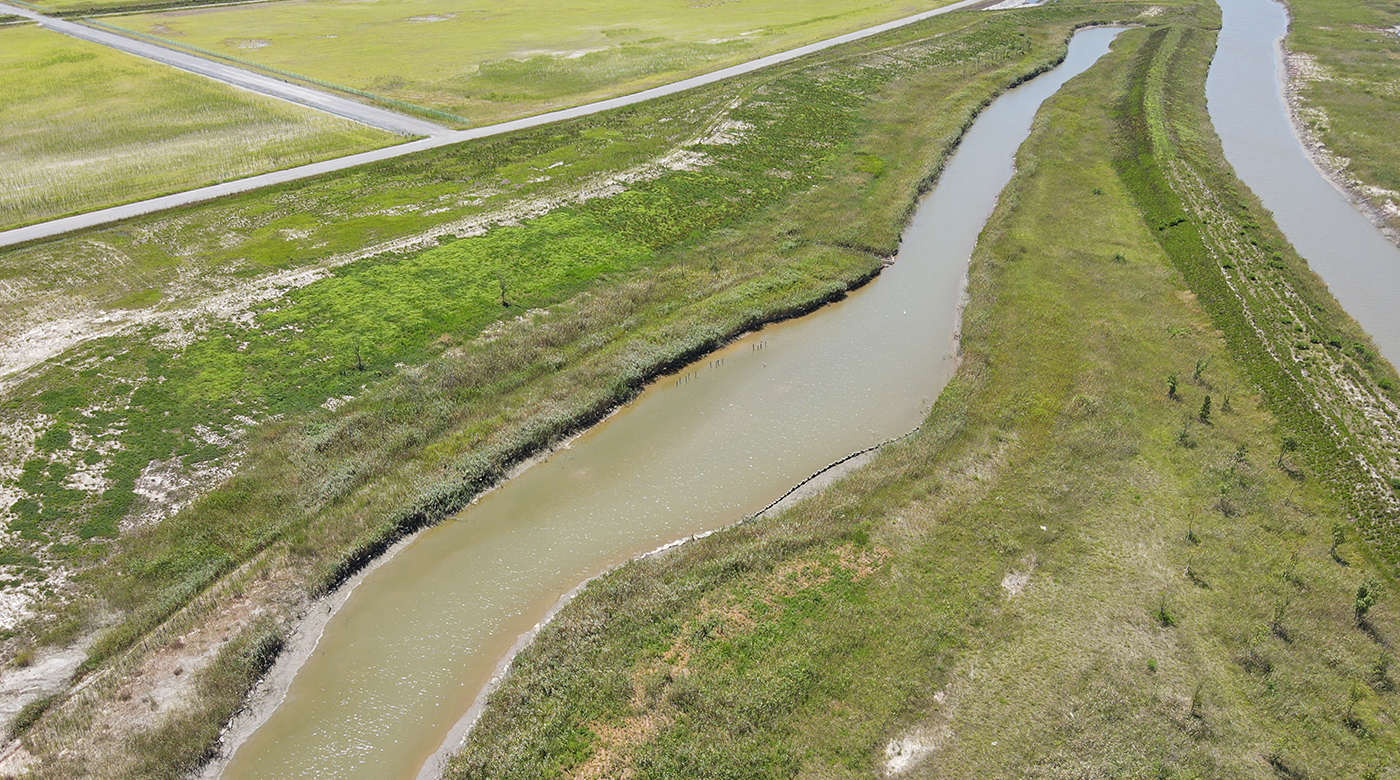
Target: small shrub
x=1276, y=623
x=1198, y=376
x=1366, y=596
x=1183, y=436
x=1164, y=615
x=1339, y=538
x=1380, y=673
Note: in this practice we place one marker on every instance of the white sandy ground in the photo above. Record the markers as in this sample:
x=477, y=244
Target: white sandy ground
x=1380, y=205
x=47, y=675
x=1006, y=5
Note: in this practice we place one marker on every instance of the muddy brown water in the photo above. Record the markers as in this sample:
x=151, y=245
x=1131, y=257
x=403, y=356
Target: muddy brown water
x=1245, y=96
x=402, y=661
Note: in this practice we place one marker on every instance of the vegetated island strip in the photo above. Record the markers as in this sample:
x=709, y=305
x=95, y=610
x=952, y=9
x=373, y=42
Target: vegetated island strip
x=802, y=198
x=1114, y=547
x=96, y=218
x=1343, y=61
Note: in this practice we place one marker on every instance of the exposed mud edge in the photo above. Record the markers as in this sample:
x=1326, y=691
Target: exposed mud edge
x=457, y=737
x=1332, y=167
x=434, y=509
x=310, y=622
x=309, y=625
x=304, y=622
x=813, y=485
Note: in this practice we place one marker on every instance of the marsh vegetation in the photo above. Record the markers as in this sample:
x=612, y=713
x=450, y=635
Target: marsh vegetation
x=1070, y=567
x=1042, y=582
x=743, y=214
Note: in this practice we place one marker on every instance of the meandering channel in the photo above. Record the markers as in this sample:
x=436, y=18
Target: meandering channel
x=400, y=664
x=1246, y=100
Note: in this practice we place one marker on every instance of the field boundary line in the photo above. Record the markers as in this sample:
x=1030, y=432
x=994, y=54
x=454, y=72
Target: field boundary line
x=159, y=41
x=63, y=225
x=233, y=75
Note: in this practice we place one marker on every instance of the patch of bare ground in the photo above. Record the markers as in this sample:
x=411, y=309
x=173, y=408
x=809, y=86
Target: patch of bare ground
x=1380, y=205
x=158, y=678
x=910, y=749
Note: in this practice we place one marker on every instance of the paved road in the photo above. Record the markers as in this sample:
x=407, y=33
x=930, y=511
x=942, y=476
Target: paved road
x=116, y=213
x=239, y=77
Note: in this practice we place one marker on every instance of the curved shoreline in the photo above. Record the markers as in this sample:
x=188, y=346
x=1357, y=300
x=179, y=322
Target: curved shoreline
x=1328, y=163
x=456, y=737
x=310, y=625
x=435, y=766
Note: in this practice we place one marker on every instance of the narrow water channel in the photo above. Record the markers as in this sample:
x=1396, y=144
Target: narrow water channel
x=402, y=661
x=1247, y=106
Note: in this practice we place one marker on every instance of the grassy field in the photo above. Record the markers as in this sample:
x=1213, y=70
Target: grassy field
x=1069, y=572
x=752, y=220
x=87, y=127
x=1349, y=85
x=491, y=61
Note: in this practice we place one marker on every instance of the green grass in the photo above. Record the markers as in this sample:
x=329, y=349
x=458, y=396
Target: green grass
x=88, y=127
x=1355, y=108
x=492, y=61
x=1318, y=370
x=634, y=284
x=1180, y=617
